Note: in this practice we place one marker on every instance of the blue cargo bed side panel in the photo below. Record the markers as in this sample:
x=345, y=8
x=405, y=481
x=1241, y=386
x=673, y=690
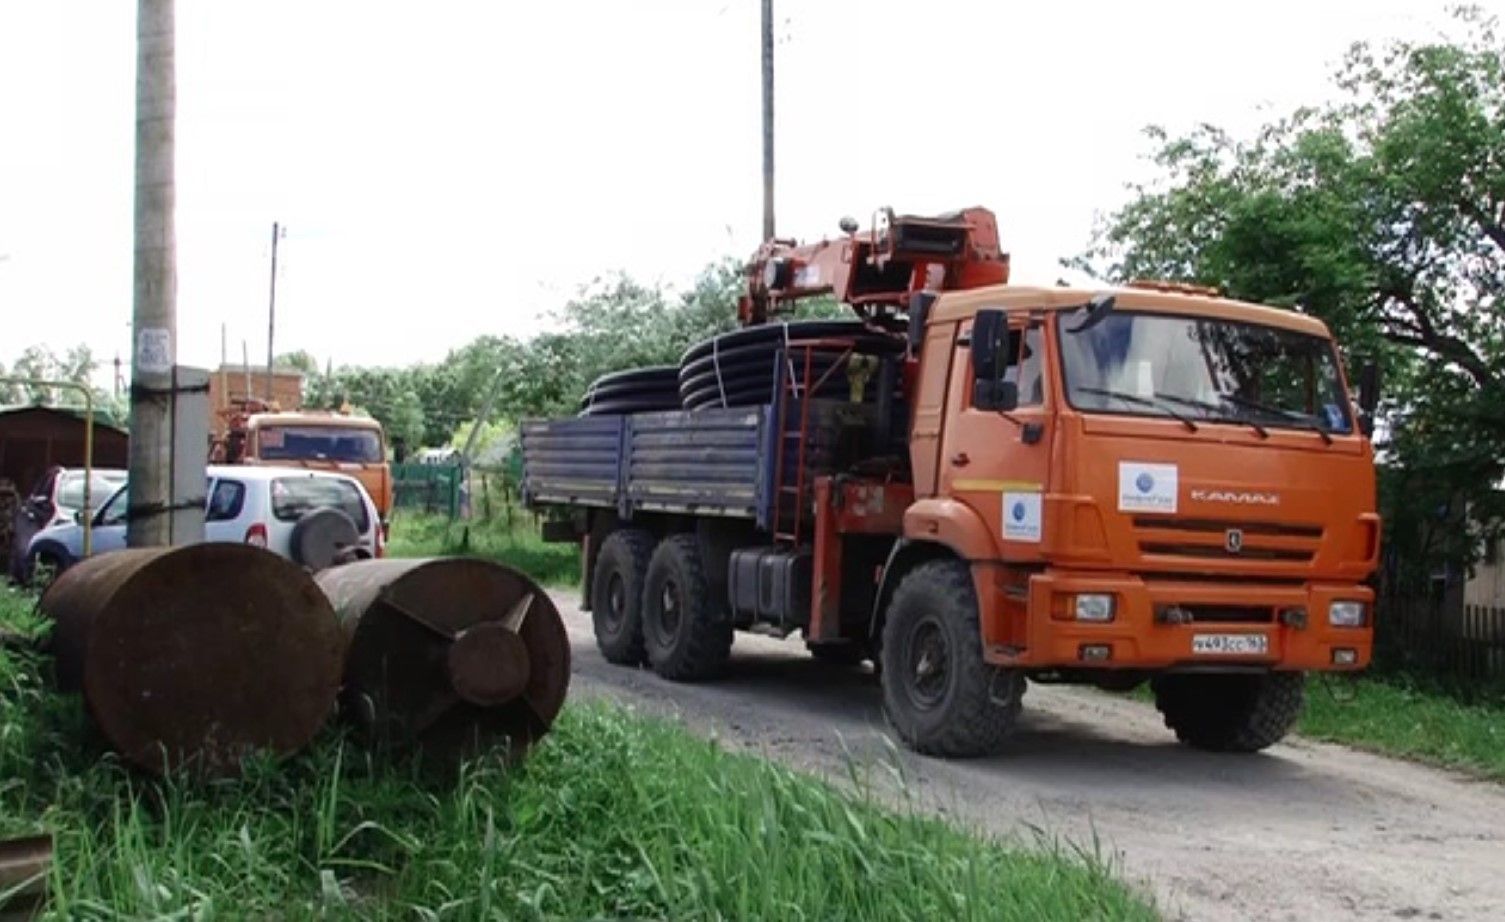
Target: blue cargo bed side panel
x=707, y=462
x=576, y=460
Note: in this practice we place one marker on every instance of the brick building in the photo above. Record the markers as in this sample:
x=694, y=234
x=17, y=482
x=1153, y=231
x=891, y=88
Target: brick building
x=229, y=384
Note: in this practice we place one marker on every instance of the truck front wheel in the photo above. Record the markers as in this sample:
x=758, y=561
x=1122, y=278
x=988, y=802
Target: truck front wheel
x=617, y=595
x=1230, y=713
x=686, y=631
x=938, y=694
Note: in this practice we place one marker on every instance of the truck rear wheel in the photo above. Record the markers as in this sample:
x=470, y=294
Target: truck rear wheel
x=938, y=694
x=1230, y=713
x=686, y=633
x=617, y=595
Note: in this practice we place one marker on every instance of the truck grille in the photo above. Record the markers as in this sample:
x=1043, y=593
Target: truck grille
x=1219, y=614
x=1208, y=539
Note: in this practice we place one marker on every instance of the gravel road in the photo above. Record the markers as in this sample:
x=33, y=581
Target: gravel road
x=1303, y=831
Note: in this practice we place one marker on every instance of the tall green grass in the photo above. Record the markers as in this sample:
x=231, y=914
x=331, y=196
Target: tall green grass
x=1395, y=717
x=612, y=816
x=509, y=536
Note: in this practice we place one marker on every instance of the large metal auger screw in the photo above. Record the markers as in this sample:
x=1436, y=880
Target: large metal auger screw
x=449, y=654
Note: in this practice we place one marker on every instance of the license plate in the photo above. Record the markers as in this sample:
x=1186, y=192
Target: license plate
x=1230, y=644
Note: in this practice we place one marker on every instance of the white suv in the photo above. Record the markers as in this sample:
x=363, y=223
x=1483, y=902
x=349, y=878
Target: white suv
x=315, y=518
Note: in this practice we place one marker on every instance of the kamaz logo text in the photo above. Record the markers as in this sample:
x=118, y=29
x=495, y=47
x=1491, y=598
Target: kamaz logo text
x=1245, y=498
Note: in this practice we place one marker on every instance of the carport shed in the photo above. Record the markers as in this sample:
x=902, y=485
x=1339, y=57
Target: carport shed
x=33, y=439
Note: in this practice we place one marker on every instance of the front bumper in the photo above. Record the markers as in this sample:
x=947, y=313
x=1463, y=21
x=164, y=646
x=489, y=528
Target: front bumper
x=1141, y=637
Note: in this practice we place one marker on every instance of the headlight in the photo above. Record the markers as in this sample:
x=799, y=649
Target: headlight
x=1346, y=614
x=1094, y=608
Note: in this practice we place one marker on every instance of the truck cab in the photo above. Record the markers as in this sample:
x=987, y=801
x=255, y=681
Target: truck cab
x=1146, y=480
x=352, y=445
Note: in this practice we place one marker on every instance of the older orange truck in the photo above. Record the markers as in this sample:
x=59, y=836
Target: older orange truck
x=256, y=433
x=1147, y=484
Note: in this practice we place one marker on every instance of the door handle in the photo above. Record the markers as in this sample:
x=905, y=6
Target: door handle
x=960, y=459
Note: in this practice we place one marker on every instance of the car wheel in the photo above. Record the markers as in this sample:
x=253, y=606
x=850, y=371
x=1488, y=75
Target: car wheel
x=43, y=565
x=321, y=538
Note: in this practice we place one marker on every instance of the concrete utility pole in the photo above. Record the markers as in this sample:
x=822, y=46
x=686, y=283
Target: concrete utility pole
x=272, y=308
x=767, y=119
x=156, y=280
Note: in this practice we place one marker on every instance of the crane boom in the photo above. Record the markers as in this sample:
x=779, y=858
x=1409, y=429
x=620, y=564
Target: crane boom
x=878, y=270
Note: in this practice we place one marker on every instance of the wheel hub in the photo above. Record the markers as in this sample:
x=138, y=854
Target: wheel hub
x=669, y=608
x=616, y=600
x=929, y=659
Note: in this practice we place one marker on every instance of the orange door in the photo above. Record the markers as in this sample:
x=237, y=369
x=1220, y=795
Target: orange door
x=996, y=462
x=929, y=406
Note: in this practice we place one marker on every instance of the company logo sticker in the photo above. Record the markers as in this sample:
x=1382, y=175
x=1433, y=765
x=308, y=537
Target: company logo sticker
x=1022, y=518
x=1147, y=487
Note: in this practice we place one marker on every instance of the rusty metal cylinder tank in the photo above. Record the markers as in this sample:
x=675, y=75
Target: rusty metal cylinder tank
x=197, y=656
x=449, y=654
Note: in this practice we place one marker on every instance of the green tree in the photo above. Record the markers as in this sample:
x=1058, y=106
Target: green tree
x=614, y=323
x=303, y=360
x=1383, y=214
x=9, y=393
x=405, y=419
x=76, y=365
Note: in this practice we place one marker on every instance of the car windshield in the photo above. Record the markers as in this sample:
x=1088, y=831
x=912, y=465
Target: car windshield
x=293, y=497
x=319, y=443
x=114, y=511
x=70, y=489
x=1204, y=369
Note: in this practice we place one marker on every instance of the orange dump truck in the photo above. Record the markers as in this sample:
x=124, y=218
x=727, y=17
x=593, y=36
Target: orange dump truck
x=353, y=445
x=976, y=485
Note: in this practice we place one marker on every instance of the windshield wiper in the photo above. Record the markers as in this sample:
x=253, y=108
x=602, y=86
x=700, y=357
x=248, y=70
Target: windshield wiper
x=1143, y=402
x=1296, y=420
x=1214, y=408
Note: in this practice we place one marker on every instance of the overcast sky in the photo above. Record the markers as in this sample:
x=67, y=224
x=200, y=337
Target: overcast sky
x=451, y=169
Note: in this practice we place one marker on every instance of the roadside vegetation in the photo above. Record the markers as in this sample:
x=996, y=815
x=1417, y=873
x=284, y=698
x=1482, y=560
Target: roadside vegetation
x=612, y=816
x=509, y=537
x=1397, y=717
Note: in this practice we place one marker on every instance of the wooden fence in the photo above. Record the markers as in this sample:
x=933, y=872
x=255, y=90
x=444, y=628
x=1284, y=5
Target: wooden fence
x=1460, y=646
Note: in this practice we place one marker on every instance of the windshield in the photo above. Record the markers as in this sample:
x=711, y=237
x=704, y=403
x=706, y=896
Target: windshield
x=1203, y=369
x=114, y=511
x=319, y=443
x=70, y=488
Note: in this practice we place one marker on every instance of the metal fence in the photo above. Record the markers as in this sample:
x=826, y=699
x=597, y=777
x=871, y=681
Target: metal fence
x=434, y=488
x=1461, y=646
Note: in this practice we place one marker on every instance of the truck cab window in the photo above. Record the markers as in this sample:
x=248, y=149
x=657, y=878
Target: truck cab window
x=1025, y=368
x=1030, y=368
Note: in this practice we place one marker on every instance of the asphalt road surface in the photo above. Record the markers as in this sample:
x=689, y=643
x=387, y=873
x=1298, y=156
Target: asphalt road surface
x=1302, y=831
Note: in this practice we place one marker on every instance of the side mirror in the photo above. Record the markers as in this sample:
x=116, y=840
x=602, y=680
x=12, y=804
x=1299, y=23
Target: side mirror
x=994, y=348
x=78, y=517
x=1369, y=396
x=1005, y=397
x=987, y=334
x=919, y=311
x=399, y=449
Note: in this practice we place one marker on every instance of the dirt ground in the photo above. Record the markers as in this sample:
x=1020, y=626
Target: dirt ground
x=1303, y=831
